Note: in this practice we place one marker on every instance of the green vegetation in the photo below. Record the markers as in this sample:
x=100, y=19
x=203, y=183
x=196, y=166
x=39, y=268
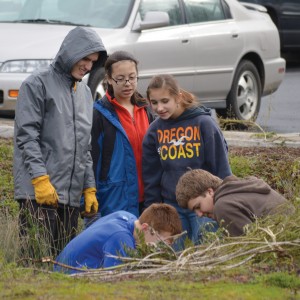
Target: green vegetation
x=56, y=286
x=264, y=264
x=6, y=178
x=279, y=167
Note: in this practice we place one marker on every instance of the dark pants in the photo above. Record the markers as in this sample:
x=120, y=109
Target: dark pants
x=45, y=230
x=141, y=207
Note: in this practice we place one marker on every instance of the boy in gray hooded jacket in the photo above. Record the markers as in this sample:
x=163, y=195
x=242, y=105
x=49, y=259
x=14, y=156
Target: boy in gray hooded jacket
x=52, y=160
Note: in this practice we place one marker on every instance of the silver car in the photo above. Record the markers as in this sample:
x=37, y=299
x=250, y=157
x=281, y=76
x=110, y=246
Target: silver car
x=224, y=53
x=286, y=16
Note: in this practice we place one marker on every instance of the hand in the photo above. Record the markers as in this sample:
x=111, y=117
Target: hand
x=44, y=191
x=90, y=202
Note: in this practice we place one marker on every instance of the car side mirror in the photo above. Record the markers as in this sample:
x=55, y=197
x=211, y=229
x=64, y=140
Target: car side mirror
x=152, y=19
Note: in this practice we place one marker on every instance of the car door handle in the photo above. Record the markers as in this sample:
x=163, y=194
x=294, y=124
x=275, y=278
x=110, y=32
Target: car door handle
x=235, y=35
x=184, y=41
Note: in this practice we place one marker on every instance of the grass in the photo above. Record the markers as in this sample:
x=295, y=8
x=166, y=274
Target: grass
x=41, y=286
x=6, y=178
x=279, y=167
x=274, y=275
x=28, y=284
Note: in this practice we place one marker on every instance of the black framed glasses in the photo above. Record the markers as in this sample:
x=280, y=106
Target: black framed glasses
x=123, y=81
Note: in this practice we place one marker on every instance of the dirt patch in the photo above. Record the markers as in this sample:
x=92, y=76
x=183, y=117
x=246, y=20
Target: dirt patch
x=274, y=152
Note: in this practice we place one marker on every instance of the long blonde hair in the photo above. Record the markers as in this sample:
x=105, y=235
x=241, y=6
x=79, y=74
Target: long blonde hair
x=169, y=82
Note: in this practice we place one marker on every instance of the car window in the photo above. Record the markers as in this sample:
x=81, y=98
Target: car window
x=10, y=8
x=96, y=13
x=169, y=6
x=203, y=10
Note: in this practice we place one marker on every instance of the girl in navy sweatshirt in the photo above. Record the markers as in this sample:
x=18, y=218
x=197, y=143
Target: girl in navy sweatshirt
x=183, y=137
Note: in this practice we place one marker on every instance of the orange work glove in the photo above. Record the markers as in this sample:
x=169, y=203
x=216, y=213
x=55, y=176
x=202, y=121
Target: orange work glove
x=44, y=191
x=90, y=202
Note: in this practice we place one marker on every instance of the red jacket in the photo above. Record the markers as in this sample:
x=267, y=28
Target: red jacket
x=135, y=128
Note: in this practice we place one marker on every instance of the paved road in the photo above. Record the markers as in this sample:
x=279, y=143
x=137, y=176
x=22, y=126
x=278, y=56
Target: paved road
x=280, y=112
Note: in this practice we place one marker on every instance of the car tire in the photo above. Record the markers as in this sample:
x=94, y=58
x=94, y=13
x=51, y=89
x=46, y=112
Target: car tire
x=95, y=79
x=244, y=98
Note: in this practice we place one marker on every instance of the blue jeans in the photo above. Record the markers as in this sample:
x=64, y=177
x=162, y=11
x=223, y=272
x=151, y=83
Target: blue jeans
x=194, y=225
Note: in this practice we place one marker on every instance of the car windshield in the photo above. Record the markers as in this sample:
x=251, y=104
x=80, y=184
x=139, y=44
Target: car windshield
x=95, y=13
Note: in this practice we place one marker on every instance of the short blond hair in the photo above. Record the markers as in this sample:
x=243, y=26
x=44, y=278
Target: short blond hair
x=195, y=183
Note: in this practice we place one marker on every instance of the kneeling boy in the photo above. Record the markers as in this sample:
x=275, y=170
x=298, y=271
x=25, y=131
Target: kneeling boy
x=234, y=201
x=108, y=236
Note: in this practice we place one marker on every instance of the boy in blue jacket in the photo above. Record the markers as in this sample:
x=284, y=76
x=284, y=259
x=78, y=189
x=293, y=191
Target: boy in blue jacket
x=109, y=235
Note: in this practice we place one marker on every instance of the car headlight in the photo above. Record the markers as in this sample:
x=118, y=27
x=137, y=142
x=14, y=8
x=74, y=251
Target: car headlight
x=24, y=66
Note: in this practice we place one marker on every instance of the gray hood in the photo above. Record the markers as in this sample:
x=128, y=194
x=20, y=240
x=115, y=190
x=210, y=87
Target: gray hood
x=79, y=43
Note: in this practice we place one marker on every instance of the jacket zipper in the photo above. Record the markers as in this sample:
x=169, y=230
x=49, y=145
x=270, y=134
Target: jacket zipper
x=73, y=169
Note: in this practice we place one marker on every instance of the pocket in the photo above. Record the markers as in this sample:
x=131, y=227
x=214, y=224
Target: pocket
x=112, y=196
x=105, y=189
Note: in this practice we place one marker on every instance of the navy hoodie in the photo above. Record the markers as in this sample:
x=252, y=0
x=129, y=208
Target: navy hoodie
x=193, y=140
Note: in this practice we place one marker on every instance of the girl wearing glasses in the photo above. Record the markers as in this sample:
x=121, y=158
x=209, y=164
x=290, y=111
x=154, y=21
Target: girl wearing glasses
x=120, y=121
x=185, y=136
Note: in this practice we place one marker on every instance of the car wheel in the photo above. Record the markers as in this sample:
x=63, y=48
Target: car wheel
x=243, y=100
x=95, y=82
